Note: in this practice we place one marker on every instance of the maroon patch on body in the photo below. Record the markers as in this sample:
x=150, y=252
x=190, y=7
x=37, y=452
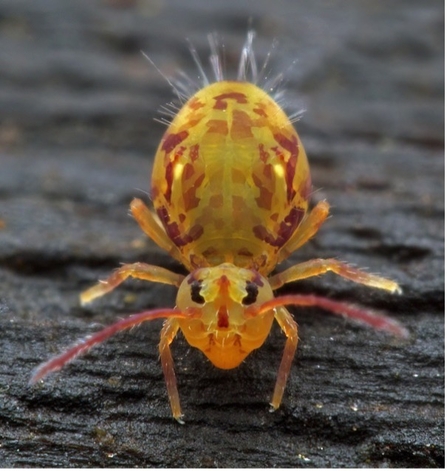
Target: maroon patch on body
x=169, y=175
x=241, y=125
x=290, y=145
x=263, y=154
x=195, y=104
x=264, y=200
x=173, y=140
x=244, y=252
x=286, y=229
x=190, y=199
x=217, y=126
x=223, y=321
x=194, y=152
x=173, y=231
x=188, y=171
x=260, y=112
x=221, y=103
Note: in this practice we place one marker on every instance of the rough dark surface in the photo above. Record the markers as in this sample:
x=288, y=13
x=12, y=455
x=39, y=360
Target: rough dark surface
x=77, y=137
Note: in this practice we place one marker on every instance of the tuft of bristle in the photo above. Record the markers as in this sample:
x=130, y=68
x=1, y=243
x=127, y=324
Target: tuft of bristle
x=272, y=83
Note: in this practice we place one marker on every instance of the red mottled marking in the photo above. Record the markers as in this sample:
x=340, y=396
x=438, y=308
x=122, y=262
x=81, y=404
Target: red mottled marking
x=268, y=171
x=194, y=152
x=190, y=199
x=263, y=154
x=173, y=231
x=291, y=145
x=169, y=175
x=260, y=112
x=264, y=200
x=195, y=104
x=286, y=229
x=218, y=126
x=223, y=321
x=261, y=233
x=290, y=223
x=221, y=103
x=170, y=141
x=241, y=126
x=182, y=217
x=210, y=251
x=195, y=232
x=188, y=171
x=194, y=121
x=244, y=252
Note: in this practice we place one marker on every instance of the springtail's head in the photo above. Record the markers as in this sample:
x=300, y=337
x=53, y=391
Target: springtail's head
x=224, y=294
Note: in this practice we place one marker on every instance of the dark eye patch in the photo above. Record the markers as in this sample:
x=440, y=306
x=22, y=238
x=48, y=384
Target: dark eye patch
x=196, y=286
x=252, y=293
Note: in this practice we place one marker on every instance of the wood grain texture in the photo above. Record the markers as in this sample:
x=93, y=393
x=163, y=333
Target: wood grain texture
x=77, y=137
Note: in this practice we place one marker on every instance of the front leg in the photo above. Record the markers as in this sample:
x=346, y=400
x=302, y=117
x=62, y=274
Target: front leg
x=168, y=334
x=290, y=329
x=143, y=271
x=319, y=266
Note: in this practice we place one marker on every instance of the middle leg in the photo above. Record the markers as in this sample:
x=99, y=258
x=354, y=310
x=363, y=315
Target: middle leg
x=143, y=271
x=319, y=266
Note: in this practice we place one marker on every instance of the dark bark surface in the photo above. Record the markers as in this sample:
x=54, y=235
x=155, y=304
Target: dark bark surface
x=77, y=138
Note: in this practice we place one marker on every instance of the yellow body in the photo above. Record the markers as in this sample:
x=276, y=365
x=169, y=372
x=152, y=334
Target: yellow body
x=230, y=186
x=231, y=180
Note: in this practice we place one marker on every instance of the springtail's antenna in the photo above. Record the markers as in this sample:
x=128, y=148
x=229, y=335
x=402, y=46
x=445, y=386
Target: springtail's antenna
x=86, y=344
x=364, y=316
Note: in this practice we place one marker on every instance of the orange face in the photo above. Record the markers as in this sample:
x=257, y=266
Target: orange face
x=225, y=331
x=231, y=180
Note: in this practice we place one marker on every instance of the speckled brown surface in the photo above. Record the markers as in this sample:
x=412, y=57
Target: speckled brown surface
x=77, y=137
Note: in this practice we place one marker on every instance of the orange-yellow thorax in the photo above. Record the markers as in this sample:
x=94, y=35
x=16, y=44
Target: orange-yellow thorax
x=231, y=180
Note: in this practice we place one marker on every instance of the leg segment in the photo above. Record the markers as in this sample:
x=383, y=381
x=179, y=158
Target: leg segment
x=319, y=266
x=143, y=271
x=152, y=228
x=290, y=329
x=168, y=333
x=307, y=229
